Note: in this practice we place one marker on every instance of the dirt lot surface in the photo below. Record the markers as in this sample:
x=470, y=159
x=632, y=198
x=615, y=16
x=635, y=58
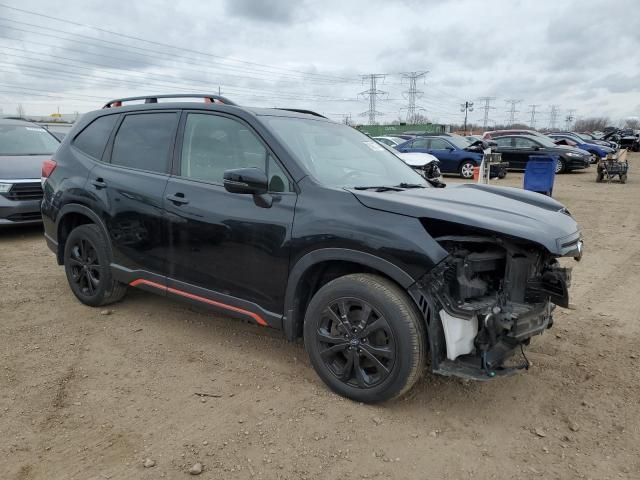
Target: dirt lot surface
x=85, y=395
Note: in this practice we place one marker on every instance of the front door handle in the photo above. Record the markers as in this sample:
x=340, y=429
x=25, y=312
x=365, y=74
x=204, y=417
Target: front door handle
x=178, y=199
x=99, y=183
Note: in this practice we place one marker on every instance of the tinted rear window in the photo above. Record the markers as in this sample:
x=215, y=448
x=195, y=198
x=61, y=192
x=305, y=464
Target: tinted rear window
x=26, y=140
x=93, y=138
x=144, y=141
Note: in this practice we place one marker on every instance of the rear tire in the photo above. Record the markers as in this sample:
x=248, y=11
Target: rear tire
x=86, y=263
x=365, y=338
x=623, y=178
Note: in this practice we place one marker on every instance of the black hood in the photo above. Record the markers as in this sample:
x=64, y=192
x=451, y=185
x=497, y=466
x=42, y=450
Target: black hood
x=509, y=211
x=14, y=167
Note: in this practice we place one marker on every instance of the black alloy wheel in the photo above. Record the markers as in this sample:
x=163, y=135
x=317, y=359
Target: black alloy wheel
x=365, y=337
x=86, y=263
x=356, y=342
x=84, y=266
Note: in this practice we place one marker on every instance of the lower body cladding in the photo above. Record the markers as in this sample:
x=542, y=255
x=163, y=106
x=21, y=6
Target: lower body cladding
x=485, y=301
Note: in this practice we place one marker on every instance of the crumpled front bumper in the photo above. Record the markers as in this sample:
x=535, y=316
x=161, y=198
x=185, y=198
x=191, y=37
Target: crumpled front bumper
x=478, y=337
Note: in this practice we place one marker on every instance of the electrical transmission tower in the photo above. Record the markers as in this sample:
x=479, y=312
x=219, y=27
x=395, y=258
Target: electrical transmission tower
x=373, y=93
x=413, y=93
x=487, y=106
x=532, y=122
x=466, y=107
x=553, y=116
x=512, y=110
x=569, y=119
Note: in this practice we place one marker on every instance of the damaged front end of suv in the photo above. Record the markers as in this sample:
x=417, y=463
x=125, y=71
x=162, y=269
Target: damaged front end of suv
x=488, y=298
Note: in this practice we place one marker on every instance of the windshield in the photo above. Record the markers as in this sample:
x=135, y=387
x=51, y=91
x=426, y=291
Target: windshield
x=584, y=136
x=459, y=141
x=26, y=140
x=340, y=156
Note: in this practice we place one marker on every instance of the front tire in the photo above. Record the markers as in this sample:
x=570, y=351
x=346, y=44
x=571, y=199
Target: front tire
x=560, y=166
x=86, y=263
x=365, y=338
x=466, y=169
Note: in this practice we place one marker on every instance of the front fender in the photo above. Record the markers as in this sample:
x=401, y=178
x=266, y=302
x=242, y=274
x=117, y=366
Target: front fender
x=334, y=254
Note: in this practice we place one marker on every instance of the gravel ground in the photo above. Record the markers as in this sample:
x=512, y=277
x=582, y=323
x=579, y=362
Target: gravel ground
x=93, y=394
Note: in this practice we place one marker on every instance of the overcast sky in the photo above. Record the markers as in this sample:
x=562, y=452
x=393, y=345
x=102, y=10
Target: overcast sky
x=581, y=55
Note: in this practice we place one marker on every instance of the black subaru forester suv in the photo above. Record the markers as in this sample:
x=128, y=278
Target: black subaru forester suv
x=295, y=222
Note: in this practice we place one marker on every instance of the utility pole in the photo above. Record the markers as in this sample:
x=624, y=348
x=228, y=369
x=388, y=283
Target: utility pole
x=532, y=122
x=569, y=119
x=466, y=107
x=487, y=106
x=553, y=116
x=346, y=119
x=373, y=93
x=413, y=93
x=512, y=110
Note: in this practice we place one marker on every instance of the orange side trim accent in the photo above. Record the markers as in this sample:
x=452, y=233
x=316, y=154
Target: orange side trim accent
x=141, y=281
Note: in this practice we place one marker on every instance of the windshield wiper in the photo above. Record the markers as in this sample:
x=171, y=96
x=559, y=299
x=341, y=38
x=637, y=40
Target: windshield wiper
x=380, y=188
x=410, y=185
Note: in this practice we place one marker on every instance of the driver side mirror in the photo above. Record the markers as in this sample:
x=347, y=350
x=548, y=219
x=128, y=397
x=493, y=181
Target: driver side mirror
x=450, y=149
x=252, y=181
x=537, y=147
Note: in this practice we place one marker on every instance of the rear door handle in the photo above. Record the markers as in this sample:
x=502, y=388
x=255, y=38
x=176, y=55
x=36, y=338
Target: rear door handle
x=99, y=183
x=178, y=199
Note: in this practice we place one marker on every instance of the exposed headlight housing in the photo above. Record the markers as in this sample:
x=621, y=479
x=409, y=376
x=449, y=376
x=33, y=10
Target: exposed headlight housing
x=5, y=187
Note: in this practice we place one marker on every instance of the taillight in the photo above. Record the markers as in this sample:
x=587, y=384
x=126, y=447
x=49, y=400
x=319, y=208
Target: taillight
x=48, y=166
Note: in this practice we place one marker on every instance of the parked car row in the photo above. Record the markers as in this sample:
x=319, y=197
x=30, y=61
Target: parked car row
x=625, y=138
x=459, y=155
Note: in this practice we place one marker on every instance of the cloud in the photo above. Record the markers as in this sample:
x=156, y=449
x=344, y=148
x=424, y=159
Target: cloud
x=270, y=11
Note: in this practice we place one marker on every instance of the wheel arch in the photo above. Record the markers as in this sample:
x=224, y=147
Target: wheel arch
x=71, y=216
x=321, y=266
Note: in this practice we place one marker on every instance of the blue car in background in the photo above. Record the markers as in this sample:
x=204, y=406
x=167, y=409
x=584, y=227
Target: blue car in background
x=599, y=151
x=455, y=152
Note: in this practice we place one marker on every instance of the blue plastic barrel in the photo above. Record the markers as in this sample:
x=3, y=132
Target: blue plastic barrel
x=540, y=173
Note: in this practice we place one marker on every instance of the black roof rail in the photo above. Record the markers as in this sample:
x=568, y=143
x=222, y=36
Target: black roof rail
x=300, y=110
x=208, y=98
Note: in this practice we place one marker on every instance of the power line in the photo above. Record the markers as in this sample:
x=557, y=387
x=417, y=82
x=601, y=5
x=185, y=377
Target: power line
x=532, y=122
x=512, y=110
x=262, y=75
x=413, y=93
x=373, y=93
x=165, y=45
x=487, y=106
x=172, y=81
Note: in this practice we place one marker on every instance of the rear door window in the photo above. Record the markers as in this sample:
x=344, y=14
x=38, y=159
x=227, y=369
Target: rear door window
x=144, y=141
x=439, y=144
x=504, y=142
x=524, y=143
x=95, y=136
x=420, y=143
